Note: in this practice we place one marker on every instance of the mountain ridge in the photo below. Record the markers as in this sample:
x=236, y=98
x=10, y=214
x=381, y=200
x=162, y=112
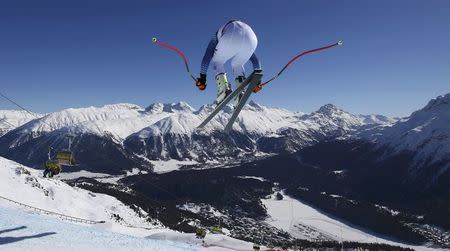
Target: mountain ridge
x=169, y=131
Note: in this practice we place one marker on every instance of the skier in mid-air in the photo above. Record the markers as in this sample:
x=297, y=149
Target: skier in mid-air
x=237, y=42
x=234, y=41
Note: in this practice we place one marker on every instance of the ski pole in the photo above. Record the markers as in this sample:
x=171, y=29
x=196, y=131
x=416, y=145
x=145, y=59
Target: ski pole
x=259, y=87
x=186, y=63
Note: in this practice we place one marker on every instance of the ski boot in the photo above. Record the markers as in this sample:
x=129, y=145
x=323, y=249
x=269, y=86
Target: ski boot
x=239, y=81
x=223, y=87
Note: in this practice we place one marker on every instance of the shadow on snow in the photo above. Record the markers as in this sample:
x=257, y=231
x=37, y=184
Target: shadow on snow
x=7, y=240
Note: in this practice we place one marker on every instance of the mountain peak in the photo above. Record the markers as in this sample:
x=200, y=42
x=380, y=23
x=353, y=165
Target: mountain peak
x=155, y=108
x=440, y=102
x=329, y=109
x=254, y=106
x=117, y=106
x=181, y=106
x=169, y=107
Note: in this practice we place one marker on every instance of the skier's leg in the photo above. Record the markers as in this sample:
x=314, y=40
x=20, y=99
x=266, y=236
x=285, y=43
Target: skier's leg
x=248, y=44
x=223, y=87
x=237, y=42
x=224, y=52
x=239, y=74
x=237, y=63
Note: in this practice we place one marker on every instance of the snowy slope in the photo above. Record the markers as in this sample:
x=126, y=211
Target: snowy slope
x=119, y=120
x=25, y=185
x=377, y=119
x=11, y=119
x=330, y=118
x=425, y=132
x=25, y=231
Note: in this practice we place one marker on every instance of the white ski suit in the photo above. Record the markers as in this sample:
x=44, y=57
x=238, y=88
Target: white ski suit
x=234, y=41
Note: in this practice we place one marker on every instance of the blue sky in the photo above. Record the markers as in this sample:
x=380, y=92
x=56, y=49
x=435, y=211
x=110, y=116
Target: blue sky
x=60, y=54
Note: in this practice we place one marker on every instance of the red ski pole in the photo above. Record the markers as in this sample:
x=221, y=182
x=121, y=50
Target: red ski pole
x=259, y=87
x=186, y=63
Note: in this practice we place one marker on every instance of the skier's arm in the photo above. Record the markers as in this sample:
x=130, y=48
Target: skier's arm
x=255, y=61
x=209, y=54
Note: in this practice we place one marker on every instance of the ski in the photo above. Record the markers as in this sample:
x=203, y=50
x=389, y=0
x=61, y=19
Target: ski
x=255, y=80
x=229, y=98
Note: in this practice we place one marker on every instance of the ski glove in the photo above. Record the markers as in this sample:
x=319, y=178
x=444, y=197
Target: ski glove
x=258, y=87
x=201, y=82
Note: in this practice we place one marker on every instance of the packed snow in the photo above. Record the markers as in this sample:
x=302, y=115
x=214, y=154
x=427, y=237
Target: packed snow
x=212, y=241
x=26, y=231
x=21, y=230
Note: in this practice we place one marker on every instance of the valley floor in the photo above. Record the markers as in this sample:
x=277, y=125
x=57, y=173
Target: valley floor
x=305, y=222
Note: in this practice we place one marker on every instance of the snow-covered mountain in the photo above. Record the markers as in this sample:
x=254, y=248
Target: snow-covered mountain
x=118, y=120
x=134, y=136
x=425, y=134
x=124, y=136
x=11, y=119
x=377, y=119
x=258, y=129
x=122, y=120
